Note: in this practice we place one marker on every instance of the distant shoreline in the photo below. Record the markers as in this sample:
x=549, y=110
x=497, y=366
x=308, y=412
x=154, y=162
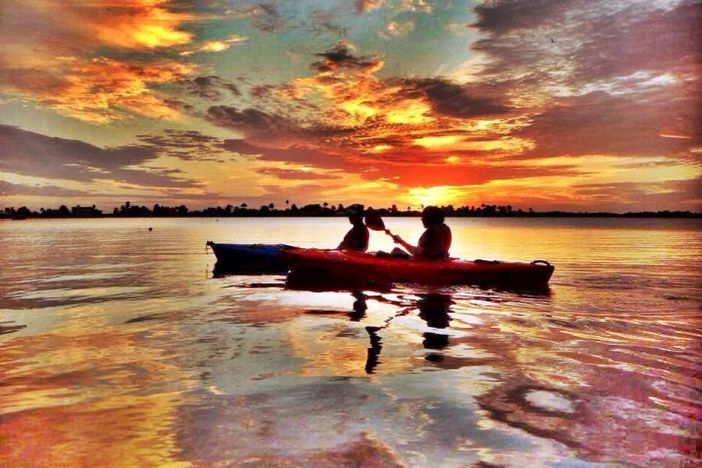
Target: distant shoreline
x=316, y=210
x=557, y=214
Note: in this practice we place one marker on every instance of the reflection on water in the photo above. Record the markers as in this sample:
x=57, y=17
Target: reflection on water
x=119, y=347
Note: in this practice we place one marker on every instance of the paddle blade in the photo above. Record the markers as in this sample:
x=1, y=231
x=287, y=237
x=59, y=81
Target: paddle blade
x=374, y=221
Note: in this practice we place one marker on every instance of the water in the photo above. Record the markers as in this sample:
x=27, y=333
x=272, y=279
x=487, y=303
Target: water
x=119, y=347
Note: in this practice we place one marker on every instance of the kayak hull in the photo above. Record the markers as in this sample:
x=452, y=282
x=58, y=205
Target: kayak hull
x=369, y=268
x=249, y=258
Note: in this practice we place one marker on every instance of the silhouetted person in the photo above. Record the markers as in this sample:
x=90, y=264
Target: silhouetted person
x=435, y=242
x=357, y=238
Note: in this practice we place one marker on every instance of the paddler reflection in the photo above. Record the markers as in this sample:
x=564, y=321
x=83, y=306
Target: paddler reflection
x=358, y=310
x=434, y=309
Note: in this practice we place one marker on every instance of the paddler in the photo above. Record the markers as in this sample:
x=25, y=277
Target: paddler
x=357, y=238
x=435, y=242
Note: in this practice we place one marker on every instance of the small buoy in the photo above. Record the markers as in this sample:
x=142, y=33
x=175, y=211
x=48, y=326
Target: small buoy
x=151, y=229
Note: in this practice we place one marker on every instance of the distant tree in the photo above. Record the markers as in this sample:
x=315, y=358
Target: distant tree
x=23, y=211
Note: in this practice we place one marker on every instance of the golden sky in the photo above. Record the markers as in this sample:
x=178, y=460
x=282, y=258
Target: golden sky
x=550, y=104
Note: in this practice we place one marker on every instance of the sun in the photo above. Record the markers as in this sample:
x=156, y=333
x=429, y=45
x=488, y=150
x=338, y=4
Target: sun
x=438, y=195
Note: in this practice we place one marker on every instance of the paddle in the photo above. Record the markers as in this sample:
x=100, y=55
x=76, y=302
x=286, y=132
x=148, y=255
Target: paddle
x=375, y=222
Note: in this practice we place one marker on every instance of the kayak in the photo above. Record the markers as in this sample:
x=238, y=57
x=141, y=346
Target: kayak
x=356, y=267
x=249, y=258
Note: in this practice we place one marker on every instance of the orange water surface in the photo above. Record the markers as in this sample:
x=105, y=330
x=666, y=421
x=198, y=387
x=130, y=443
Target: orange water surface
x=119, y=347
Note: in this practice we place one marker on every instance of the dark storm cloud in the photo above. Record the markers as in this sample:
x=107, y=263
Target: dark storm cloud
x=340, y=56
x=28, y=153
x=452, y=99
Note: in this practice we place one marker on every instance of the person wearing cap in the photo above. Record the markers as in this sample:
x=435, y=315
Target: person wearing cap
x=357, y=238
x=435, y=242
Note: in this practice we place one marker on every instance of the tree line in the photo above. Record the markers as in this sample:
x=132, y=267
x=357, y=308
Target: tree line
x=311, y=210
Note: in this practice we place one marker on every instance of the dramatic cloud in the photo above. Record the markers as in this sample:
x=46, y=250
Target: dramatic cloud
x=455, y=100
x=502, y=16
x=56, y=63
x=559, y=103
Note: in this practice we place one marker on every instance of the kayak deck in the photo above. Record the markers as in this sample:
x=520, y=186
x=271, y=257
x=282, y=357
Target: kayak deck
x=360, y=267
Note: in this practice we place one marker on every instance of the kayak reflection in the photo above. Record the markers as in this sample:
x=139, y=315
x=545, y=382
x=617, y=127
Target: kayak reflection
x=434, y=309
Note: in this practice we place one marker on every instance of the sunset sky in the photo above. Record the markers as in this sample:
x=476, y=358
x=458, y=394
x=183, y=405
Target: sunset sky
x=550, y=104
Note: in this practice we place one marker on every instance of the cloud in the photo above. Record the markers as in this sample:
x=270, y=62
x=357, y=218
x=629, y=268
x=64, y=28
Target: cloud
x=454, y=100
x=8, y=189
x=503, y=16
x=340, y=56
x=545, y=43
x=599, y=123
x=186, y=145
x=368, y=5
x=263, y=126
x=250, y=120
x=296, y=174
x=397, y=28
x=100, y=89
x=653, y=196
x=75, y=58
x=214, y=45
x=32, y=154
x=210, y=87
x=595, y=77
x=306, y=155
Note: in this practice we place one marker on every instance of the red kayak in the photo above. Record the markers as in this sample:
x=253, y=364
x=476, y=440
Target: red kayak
x=373, y=268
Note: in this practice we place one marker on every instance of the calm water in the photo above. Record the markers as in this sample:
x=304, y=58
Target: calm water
x=119, y=347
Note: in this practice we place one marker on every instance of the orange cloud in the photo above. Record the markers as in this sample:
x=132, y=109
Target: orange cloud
x=215, y=45
x=56, y=64
x=101, y=89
